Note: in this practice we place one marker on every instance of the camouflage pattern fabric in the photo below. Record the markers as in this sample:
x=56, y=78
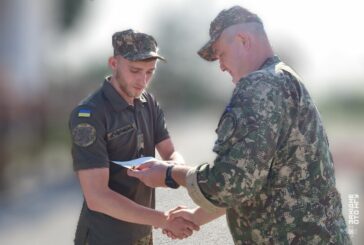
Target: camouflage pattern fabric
x=134, y=46
x=148, y=240
x=224, y=19
x=274, y=172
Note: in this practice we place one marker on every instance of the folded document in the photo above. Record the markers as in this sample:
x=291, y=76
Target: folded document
x=135, y=162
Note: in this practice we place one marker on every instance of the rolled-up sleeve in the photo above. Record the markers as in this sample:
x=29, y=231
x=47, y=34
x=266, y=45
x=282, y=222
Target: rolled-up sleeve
x=248, y=133
x=195, y=192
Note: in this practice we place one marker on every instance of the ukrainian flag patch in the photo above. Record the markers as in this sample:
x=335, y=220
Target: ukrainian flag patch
x=84, y=113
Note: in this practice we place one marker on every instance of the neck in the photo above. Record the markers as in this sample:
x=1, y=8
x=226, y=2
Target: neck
x=264, y=52
x=116, y=86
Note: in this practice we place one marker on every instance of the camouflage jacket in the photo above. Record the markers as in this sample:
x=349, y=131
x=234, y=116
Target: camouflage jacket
x=274, y=172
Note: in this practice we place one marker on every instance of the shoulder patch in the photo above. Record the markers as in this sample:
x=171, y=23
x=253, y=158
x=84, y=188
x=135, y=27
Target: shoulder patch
x=226, y=127
x=84, y=113
x=84, y=134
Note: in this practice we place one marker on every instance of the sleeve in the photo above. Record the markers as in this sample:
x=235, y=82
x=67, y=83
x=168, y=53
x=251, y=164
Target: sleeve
x=88, y=139
x=248, y=133
x=160, y=127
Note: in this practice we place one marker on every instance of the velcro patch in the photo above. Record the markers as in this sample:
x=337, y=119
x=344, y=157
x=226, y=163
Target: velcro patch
x=226, y=127
x=120, y=131
x=84, y=113
x=84, y=134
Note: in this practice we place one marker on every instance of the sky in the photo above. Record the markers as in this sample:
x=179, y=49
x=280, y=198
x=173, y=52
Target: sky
x=325, y=36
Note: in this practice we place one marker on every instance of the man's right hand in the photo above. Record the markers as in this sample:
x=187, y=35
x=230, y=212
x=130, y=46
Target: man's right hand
x=180, y=212
x=179, y=228
x=198, y=216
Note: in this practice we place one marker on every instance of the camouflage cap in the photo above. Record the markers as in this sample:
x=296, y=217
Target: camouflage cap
x=134, y=46
x=225, y=19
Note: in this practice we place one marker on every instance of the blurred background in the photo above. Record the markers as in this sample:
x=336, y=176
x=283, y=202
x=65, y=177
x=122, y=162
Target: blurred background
x=54, y=53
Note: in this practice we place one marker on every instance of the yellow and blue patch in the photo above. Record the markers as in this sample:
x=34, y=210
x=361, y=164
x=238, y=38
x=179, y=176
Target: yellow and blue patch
x=84, y=113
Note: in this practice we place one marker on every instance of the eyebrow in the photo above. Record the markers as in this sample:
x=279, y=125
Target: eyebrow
x=152, y=69
x=214, y=49
x=139, y=69
x=134, y=67
x=216, y=53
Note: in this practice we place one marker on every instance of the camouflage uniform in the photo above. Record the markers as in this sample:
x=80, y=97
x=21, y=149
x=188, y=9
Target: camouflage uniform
x=148, y=240
x=274, y=172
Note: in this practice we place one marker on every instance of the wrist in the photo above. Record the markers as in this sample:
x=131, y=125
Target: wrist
x=169, y=181
x=164, y=224
x=161, y=221
x=179, y=174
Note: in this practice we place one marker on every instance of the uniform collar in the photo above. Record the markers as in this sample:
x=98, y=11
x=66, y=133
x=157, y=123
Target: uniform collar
x=270, y=61
x=118, y=102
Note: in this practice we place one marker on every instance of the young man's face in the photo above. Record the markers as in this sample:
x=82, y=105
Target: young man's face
x=131, y=77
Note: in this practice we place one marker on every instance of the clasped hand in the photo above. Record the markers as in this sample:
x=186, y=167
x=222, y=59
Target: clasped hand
x=180, y=223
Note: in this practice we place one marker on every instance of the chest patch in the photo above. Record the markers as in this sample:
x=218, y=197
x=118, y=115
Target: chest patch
x=120, y=131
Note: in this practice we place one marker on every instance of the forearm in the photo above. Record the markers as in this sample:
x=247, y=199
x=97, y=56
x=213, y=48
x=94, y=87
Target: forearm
x=176, y=157
x=122, y=208
x=201, y=216
x=167, y=151
x=179, y=173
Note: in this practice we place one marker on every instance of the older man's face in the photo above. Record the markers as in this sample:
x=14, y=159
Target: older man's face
x=230, y=51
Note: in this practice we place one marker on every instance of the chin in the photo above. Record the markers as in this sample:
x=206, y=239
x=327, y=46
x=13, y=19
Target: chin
x=137, y=95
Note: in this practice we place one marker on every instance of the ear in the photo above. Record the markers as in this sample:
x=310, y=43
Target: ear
x=113, y=62
x=244, y=39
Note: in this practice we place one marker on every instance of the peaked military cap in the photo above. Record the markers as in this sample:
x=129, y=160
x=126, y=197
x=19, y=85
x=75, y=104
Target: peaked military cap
x=134, y=46
x=225, y=19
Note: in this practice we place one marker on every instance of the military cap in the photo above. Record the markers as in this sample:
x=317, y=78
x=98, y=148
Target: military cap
x=134, y=46
x=225, y=19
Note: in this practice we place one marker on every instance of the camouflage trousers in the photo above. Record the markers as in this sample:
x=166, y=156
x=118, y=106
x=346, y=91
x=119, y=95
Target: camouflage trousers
x=147, y=240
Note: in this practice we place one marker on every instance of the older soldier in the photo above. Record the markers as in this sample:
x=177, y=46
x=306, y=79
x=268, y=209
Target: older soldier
x=121, y=121
x=274, y=173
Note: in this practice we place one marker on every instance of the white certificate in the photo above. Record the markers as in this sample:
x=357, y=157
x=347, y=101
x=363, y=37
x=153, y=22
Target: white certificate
x=135, y=162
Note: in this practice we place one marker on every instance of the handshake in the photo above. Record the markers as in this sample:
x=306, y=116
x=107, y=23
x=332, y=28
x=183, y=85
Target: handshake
x=180, y=223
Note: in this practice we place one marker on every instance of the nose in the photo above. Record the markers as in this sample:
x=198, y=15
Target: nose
x=143, y=78
x=222, y=66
